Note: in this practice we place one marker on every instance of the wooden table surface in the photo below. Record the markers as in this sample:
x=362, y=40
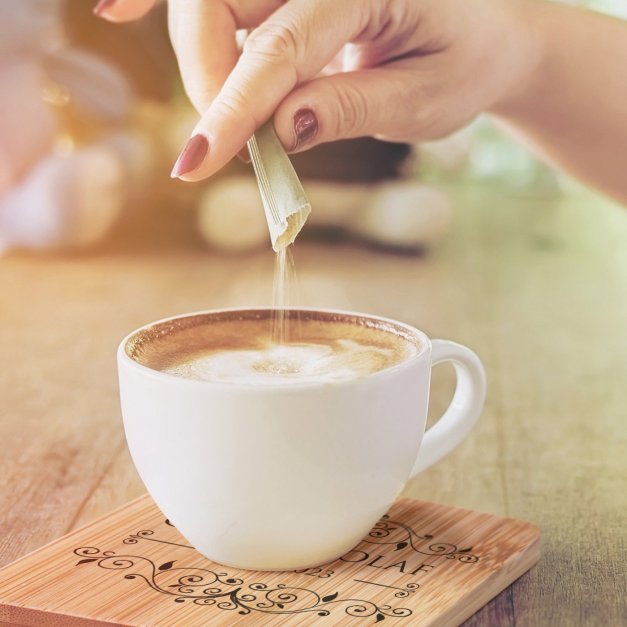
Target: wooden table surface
x=538, y=287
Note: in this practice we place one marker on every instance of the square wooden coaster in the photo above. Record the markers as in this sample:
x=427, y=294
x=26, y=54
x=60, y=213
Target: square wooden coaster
x=422, y=564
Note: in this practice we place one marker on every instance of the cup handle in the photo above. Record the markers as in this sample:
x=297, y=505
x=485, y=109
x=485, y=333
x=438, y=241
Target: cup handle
x=461, y=415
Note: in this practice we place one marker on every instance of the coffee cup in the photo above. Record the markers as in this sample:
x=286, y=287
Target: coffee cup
x=290, y=472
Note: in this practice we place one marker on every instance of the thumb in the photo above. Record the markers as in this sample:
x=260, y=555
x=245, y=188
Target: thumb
x=385, y=102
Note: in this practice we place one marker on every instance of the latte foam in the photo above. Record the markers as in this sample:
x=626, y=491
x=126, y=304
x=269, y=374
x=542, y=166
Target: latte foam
x=287, y=363
x=239, y=348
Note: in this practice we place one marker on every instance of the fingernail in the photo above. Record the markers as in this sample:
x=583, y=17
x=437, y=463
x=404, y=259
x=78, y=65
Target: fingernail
x=244, y=155
x=305, y=126
x=103, y=6
x=192, y=155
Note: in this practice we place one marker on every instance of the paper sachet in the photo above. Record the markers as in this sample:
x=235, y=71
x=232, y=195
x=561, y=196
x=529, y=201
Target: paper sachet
x=283, y=197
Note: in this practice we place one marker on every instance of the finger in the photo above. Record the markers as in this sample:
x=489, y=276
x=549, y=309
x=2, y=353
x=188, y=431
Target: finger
x=291, y=46
x=123, y=10
x=387, y=102
x=203, y=35
x=250, y=14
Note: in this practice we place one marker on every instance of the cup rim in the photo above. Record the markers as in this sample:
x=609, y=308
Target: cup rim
x=123, y=357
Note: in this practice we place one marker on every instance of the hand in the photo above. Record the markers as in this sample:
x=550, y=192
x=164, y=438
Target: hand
x=401, y=70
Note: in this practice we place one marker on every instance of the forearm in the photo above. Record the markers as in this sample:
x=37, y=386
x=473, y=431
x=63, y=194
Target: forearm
x=572, y=105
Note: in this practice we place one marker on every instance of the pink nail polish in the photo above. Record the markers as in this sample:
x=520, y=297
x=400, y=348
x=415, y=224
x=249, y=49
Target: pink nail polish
x=305, y=126
x=102, y=7
x=192, y=156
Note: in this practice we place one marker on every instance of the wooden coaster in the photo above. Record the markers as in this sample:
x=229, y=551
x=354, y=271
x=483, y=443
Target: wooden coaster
x=422, y=564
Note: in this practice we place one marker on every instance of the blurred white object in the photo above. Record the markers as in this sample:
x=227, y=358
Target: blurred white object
x=55, y=191
x=405, y=214
x=29, y=27
x=231, y=216
x=92, y=85
x=67, y=200
x=27, y=123
x=398, y=214
x=138, y=157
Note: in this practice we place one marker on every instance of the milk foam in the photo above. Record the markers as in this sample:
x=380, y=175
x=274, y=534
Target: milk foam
x=287, y=363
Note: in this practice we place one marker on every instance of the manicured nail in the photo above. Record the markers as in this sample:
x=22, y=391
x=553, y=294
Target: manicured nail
x=305, y=126
x=192, y=155
x=243, y=155
x=103, y=6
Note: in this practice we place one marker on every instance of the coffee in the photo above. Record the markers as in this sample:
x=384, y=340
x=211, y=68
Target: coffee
x=286, y=476
x=238, y=347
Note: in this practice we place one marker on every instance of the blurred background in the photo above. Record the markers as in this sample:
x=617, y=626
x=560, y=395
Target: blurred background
x=92, y=116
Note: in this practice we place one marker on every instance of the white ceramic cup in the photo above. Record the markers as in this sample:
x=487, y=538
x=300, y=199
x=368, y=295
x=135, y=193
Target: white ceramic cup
x=287, y=477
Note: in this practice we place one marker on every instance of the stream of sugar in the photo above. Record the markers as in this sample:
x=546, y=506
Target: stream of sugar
x=282, y=294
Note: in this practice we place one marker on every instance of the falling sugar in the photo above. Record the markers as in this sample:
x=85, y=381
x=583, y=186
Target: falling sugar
x=282, y=293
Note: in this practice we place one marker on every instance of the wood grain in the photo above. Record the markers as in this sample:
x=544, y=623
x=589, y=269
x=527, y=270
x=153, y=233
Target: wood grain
x=422, y=564
x=538, y=287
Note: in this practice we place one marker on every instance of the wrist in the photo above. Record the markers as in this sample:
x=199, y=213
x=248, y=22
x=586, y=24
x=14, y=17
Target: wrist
x=526, y=59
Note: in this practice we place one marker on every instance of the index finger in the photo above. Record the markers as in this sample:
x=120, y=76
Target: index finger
x=290, y=47
x=203, y=36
